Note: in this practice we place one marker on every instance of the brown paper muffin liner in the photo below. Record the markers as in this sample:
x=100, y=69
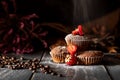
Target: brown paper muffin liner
x=58, y=58
x=90, y=60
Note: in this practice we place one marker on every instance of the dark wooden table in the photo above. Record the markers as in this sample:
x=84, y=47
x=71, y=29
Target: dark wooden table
x=109, y=69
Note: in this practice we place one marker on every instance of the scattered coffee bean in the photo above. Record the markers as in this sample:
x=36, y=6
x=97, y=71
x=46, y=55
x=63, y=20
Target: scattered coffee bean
x=3, y=57
x=46, y=66
x=35, y=59
x=30, y=68
x=46, y=72
x=41, y=66
x=50, y=71
x=12, y=58
x=33, y=67
x=21, y=63
x=33, y=71
x=21, y=58
x=14, y=67
x=8, y=63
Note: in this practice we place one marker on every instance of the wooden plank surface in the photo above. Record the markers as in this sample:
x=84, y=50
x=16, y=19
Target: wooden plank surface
x=78, y=72
x=42, y=76
x=37, y=55
x=19, y=74
x=113, y=66
x=7, y=74
x=114, y=71
x=110, y=71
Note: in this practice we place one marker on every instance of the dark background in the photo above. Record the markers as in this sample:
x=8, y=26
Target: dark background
x=67, y=12
x=70, y=12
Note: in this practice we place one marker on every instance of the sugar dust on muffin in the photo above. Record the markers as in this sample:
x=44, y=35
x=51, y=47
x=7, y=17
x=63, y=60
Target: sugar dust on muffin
x=78, y=38
x=58, y=54
x=90, y=57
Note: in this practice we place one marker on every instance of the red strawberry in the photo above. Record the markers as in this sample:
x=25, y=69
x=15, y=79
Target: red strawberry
x=72, y=49
x=75, y=32
x=80, y=30
x=72, y=61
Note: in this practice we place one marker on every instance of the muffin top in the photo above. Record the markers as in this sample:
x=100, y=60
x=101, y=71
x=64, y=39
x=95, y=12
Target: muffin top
x=59, y=50
x=91, y=53
x=77, y=37
x=59, y=42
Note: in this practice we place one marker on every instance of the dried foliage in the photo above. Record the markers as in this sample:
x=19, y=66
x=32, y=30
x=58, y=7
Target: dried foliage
x=17, y=34
x=22, y=34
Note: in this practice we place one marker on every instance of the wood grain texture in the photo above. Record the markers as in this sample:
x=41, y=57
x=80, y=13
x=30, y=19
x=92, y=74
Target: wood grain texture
x=37, y=55
x=42, y=76
x=77, y=72
x=111, y=59
x=7, y=74
x=110, y=71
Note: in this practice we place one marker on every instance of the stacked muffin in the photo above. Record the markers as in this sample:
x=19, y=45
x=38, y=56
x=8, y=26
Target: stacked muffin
x=58, y=54
x=90, y=57
x=81, y=41
x=77, y=50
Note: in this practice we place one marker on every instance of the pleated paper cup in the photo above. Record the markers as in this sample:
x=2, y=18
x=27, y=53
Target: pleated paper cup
x=58, y=58
x=90, y=60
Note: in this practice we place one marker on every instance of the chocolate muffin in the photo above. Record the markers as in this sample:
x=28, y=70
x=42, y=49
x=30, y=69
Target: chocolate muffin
x=58, y=54
x=90, y=57
x=82, y=42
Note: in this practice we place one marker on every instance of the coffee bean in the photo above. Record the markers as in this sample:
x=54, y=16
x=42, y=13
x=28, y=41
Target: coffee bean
x=46, y=72
x=37, y=66
x=3, y=57
x=35, y=59
x=36, y=63
x=14, y=66
x=22, y=66
x=32, y=64
x=30, y=68
x=5, y=63
x=21, y=58
x=41, y=65
x=43, y=71
x=50, y=71
x=46, y=66
x=8, y=63
x=33, y=67
x=6, y=60
x=33, y=71
x=12, y=58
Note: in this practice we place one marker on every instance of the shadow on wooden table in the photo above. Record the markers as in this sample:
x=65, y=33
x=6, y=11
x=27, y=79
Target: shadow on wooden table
x=111, y=60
